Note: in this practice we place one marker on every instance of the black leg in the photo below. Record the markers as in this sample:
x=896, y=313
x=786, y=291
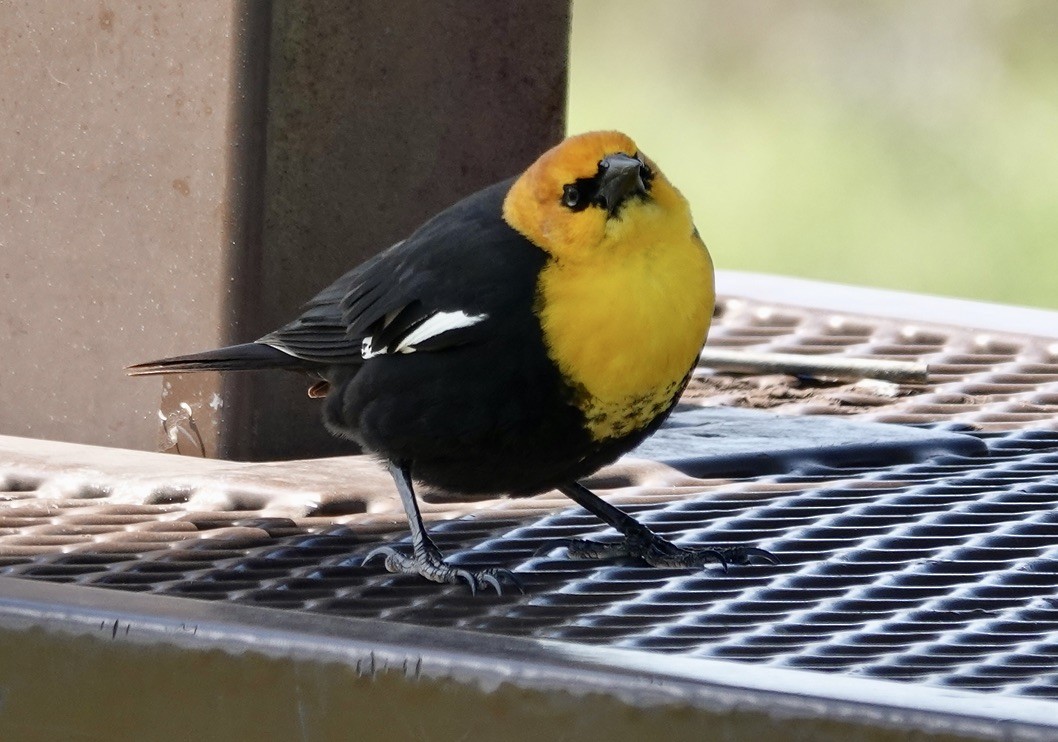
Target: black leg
x=639, y=541
x=426, y=559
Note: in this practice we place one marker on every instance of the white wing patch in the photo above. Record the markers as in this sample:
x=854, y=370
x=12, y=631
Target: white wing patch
x=366, y=351
x=435, y=325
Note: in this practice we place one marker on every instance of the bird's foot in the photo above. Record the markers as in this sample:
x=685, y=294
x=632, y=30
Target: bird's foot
x=660, y=552
x=429, y=563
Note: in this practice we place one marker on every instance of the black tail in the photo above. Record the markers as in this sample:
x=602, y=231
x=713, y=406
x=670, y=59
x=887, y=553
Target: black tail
x=245, y=357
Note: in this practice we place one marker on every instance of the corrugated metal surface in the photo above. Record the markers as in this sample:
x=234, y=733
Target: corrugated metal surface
x=940, y=571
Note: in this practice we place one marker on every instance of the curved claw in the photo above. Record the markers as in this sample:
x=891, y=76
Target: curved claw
x=432, y=566
x=743, y=554
x=506, y=573
x=495, y=578
x=491, y=580
x=719, y=556
x=383, y=551
x=467, y=577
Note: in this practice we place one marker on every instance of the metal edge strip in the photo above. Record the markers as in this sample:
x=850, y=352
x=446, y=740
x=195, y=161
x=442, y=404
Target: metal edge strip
x=488, y=661
x=842, y=298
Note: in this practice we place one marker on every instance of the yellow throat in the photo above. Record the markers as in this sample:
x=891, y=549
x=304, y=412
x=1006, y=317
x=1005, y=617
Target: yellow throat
x=626, y=330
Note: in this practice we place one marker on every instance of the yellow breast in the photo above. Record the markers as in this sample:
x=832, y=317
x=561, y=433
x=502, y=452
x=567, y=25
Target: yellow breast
x=626, y=327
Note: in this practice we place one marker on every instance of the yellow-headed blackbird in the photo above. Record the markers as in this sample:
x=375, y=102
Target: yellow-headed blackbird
x=515, y=342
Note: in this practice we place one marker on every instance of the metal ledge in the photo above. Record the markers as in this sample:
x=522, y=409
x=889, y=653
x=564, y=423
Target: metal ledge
x=905, y=579
x=923, y=308
x=766, y=699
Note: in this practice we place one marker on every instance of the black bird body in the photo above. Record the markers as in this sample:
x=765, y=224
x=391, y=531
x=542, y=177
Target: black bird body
x=489, y=389
x=457, y=354
x=481, y=411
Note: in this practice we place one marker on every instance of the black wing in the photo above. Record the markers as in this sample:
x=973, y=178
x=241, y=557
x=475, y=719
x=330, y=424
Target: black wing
x=465, y=261
x=319, y=334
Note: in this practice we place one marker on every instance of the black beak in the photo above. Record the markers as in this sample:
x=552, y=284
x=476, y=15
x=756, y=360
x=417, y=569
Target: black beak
x=621, y=176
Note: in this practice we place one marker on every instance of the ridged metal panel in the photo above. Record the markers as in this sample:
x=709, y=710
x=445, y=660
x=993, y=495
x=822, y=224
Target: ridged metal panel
x=940, y=571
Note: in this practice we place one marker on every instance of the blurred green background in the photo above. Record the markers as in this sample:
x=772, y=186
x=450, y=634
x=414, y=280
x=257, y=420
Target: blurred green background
x=910, y=144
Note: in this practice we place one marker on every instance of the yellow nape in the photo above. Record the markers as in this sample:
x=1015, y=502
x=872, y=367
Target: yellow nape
x=624, y=299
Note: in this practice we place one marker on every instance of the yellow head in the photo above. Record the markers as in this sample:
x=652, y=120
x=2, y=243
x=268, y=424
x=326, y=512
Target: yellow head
x=625, y=298
x=585, y=197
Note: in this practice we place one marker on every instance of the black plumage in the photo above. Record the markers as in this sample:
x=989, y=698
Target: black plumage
x=478, y=410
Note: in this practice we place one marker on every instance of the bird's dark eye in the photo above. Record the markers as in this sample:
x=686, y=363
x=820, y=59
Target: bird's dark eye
x=570, y=195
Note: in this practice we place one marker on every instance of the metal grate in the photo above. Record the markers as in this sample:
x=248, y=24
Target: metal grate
x=942, y=571
x=986, y=380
